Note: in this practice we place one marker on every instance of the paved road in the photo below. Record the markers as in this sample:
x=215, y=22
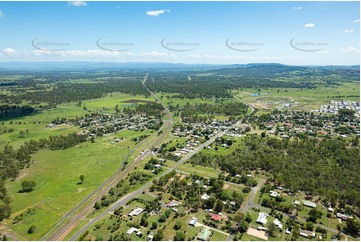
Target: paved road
x=130, y=196
x=250, y=105
x=254, y=191
x=71, y=219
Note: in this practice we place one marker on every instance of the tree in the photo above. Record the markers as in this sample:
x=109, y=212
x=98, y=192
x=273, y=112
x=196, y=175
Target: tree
x=144, y=221
x=352, y=227
x=309, y=226
x=28, y=186
x=31, y=229
x=159, y=235
x=179, y=236
x=271, y=229
x=218, y=207
x=242, y=227
x=81, y=177
x=21, y=134
x=177, y=225
x=154, y=225
x=295, y=233
x=97, y=205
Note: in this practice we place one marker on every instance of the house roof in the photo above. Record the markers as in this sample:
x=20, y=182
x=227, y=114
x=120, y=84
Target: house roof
x=262, y=218
x=173, y=203
x=204, y=234
x=309, y=204
x=215, y=217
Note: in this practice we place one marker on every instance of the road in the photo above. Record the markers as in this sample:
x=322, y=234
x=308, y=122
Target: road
x=248, y=204
x=249, y=105
x=130, y=196
x=71, y=219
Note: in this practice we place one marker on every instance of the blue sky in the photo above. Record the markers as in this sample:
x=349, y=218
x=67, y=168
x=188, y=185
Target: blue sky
x=296, y=33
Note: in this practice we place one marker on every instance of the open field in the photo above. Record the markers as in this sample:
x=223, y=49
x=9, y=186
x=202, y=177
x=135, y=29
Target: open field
x=56, y=173
x=199, y=170
x=38, y=124
x=300, y=99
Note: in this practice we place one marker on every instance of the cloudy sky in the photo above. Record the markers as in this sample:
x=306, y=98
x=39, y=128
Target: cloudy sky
x=297, y=33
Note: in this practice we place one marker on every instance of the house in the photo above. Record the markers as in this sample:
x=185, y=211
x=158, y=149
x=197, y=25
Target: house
x=132, y=230
x=136, y=212
x=309, y=204
x=204, y=196
x=150, y=237
x=343, y=216
x=216, y=217
x=307, y=234
x=262, y=218
x=330, y=209
x=193, y=222
x=278, y=223
x=204, y=234
x=296, y=202
x=274, y=194
x=157, y=166
x=173, y=203
x=261, y=228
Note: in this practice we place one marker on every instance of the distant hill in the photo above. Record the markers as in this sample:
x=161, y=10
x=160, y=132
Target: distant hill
x=257, y=69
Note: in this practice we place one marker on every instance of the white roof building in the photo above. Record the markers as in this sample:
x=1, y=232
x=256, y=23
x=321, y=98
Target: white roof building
x=205, y=196
x=193, y=222
x=309, y=204
x=278, y=223
x=262, y=218
x=136, y=212
x=132, y=230
x=274, y=194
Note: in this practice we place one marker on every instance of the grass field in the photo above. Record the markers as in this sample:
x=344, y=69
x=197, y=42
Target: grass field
x=56, y=173
x=199, y=170
x=38, y=124
x=300, y=99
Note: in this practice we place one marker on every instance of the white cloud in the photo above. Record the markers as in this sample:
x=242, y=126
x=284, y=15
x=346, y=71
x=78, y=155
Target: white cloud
x=157, y=12
x=9, y=51
x=77, y=3
x=356, y=21
x=309, y=25
x=1, y=14
x=350, y=50
x=297, y=8
x=348, y=31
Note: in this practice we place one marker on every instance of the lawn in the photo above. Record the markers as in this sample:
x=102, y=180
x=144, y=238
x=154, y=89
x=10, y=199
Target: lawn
x=38, y=123
x=301, y=99
x=217, y=236
x=199, y=170
x=56, y=174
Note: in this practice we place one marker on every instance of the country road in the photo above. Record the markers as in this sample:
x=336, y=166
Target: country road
x=248, y=203
x=71, y=219
x=130, y=196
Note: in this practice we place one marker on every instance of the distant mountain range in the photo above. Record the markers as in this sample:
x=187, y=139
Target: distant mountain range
x=159, y=66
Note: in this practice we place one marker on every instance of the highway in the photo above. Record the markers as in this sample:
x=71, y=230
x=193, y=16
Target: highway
x=71, y=219
x=130, y=196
